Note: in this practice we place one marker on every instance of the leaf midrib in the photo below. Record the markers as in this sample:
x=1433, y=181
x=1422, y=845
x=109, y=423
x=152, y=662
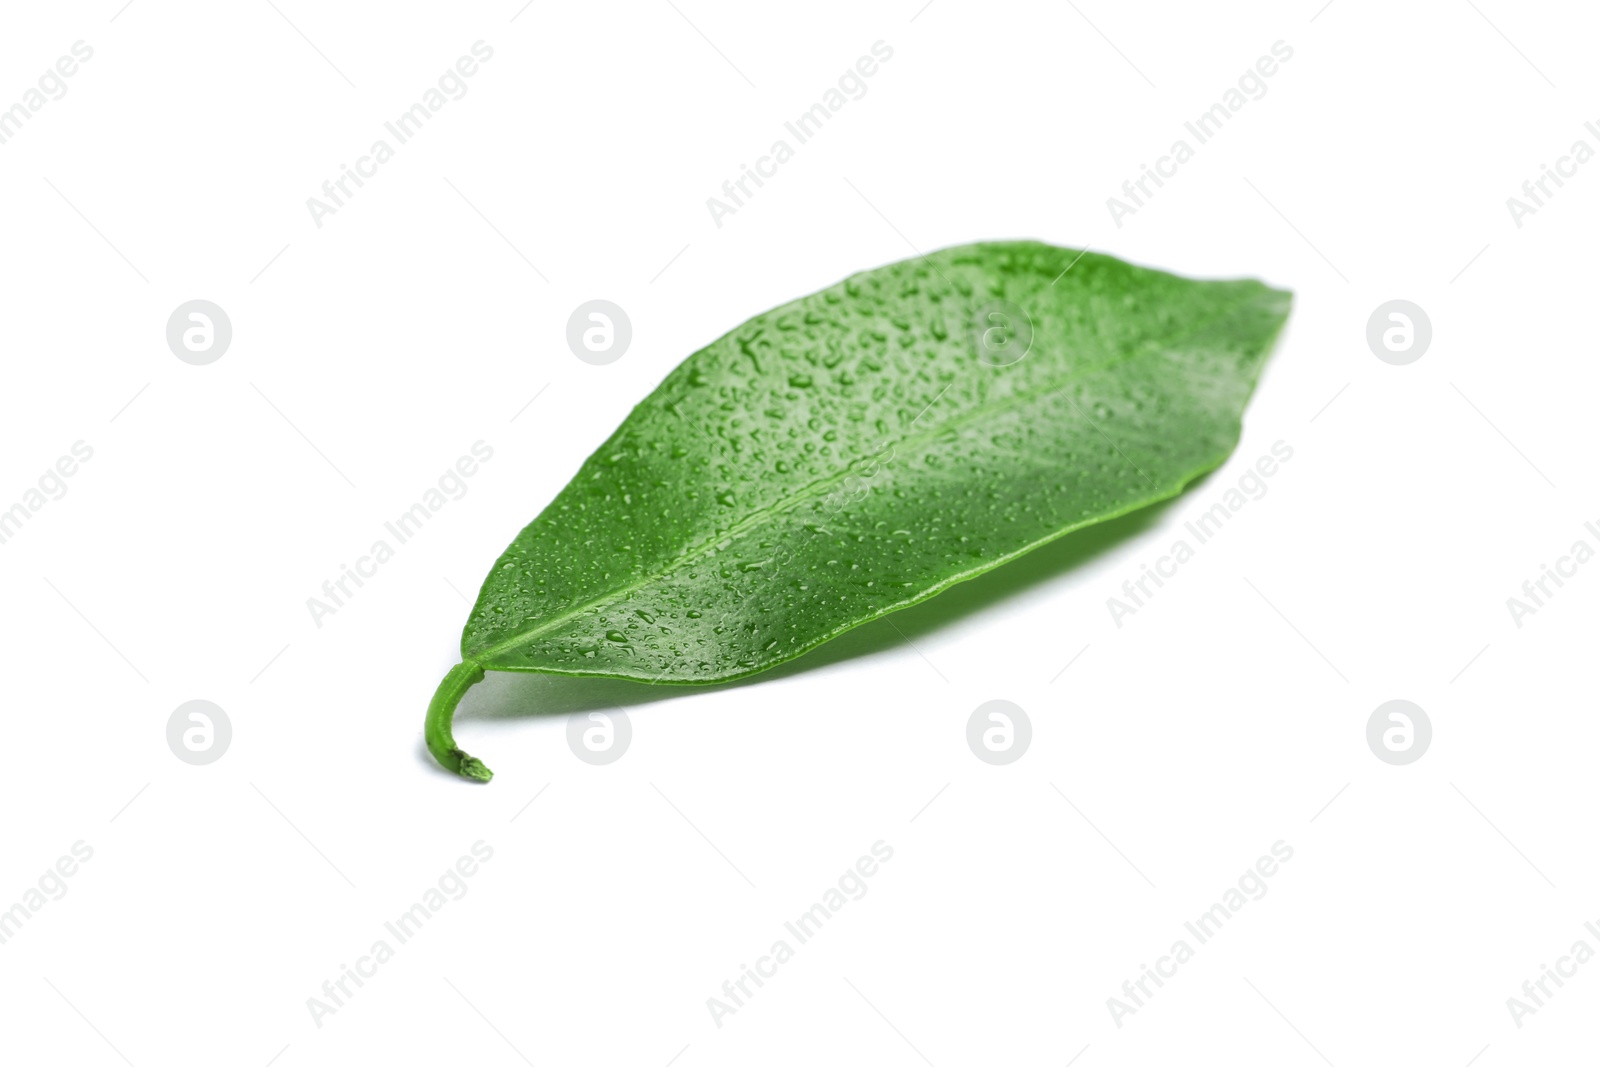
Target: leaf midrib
x=816, y=488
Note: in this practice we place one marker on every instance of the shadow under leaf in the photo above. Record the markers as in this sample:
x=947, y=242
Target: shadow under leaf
x=509, y=694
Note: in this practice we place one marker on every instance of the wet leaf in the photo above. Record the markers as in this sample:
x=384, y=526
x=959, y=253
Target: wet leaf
x=861, y=449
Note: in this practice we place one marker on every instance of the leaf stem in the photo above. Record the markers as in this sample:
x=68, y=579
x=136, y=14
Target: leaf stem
x=441, y=710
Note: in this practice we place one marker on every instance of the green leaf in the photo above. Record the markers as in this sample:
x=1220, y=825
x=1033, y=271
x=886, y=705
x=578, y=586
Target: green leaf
x=861, y=449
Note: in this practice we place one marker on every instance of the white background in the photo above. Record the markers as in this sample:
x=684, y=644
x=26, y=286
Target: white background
x=370, y=353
